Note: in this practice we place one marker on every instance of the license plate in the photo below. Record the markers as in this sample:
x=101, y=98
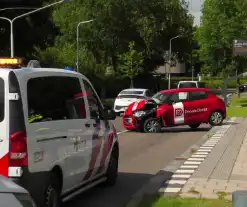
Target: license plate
x=129, y=120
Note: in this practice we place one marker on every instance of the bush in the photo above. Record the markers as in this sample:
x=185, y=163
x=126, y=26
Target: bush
x=210, y=83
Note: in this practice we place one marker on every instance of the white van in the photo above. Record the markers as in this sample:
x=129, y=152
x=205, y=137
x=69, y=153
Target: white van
x=191, y=84
x=55, y=137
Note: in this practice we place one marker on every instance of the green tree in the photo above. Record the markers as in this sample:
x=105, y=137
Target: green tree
x=131, y=63
x=221, y=22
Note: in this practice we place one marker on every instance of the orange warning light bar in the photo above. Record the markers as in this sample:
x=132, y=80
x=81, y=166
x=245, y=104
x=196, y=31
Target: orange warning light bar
x=10, y=61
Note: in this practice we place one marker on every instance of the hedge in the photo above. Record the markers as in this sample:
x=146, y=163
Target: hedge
x=110, y=87
x=213, y=84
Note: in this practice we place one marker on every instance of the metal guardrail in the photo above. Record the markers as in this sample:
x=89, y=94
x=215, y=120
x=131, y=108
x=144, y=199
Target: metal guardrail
x=239, y=198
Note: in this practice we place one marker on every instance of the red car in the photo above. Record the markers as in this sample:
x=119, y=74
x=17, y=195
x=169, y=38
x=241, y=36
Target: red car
x=183, y=106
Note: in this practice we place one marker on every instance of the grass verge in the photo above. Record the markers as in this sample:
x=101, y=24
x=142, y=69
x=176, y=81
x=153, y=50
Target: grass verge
x=238, y=112
x=238, y=107
x=155, y=201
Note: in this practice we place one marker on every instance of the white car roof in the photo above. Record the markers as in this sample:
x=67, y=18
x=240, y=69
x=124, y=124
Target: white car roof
x=8, y=186
x=134, y=89
x=20, y=72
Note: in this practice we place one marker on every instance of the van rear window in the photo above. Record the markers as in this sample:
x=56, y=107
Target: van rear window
x=2, y=99
x=188, y=85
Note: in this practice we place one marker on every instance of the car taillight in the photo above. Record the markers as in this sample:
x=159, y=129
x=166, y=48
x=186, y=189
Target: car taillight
x=18, y=149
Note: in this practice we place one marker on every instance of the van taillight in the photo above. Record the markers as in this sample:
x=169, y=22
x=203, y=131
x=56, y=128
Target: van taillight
x=18, y=149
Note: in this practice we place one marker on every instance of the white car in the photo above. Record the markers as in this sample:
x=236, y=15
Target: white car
x=128, y=96
x=13, y=195
x=56, y=139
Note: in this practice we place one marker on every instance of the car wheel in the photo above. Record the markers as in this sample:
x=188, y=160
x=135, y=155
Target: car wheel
x=52, y=193
x=194, y=126
x=216, y=118
x=151, y=125
x=112, y=170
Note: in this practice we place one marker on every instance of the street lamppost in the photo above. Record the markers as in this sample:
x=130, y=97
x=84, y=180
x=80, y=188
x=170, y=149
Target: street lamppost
x=170, y=55
x=18, y=8
x=11, y=21
x=77, y=42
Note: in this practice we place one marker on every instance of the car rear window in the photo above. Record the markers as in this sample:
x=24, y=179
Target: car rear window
x=130, y=96
x=2, y=95
x=132, y=92
x=187, y=85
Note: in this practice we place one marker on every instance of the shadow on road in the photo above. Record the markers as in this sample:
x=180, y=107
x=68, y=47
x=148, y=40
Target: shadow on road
x=180, y=130
x=177, y=130
x=119, y=195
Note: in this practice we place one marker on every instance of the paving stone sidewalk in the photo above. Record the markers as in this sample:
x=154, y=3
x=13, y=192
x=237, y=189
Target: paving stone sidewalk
x=224, y=169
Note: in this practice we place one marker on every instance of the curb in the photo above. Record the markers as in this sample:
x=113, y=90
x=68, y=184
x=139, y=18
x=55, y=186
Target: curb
x=159, y=181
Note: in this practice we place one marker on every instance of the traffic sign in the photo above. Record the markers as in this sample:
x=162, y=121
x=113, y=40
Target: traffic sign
x=240, y=47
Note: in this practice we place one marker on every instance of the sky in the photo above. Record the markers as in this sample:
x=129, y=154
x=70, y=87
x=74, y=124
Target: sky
x=195, y=9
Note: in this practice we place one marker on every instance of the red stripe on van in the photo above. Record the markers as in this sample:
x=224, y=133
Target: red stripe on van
x=4, y=165
x=107, y=149
x=94, y=156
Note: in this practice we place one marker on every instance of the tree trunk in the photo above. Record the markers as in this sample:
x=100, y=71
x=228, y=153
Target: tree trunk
x=131, y=82
x=238, y=84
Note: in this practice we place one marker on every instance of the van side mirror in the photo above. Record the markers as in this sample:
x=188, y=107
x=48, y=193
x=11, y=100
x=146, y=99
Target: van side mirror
x=109, y=113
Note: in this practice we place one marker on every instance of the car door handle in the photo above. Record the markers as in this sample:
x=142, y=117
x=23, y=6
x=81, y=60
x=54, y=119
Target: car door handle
x=87, y=125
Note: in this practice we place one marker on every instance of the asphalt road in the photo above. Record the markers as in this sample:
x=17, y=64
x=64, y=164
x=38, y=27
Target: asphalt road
x=118, y=124
x=141, y=156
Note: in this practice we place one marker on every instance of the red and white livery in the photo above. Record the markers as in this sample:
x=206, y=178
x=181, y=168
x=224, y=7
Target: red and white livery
x=56, y=139
x=184, y=106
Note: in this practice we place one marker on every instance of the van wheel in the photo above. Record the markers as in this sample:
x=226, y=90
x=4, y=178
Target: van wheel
x=215, y=118
x=112, y=170
x=151, y=125
x=194, y=126
x=52, y=192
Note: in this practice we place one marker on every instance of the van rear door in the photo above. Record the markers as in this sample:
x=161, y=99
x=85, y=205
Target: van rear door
x=4, y=135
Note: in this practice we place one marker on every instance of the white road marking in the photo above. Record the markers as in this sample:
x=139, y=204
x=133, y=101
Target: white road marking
x=196, y=159
x=225, y=126
x=201, y=153
x=180, y=176
x=192, y=163
x=170, y=182
x=204, y=150
x=206, y=147
x=211, y=142
x=201, y=156
x=170, y=190
x=122, y=132
x=185, y=171
x=189, y=166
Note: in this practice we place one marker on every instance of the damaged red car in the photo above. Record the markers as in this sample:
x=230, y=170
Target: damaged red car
x=183, y=106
